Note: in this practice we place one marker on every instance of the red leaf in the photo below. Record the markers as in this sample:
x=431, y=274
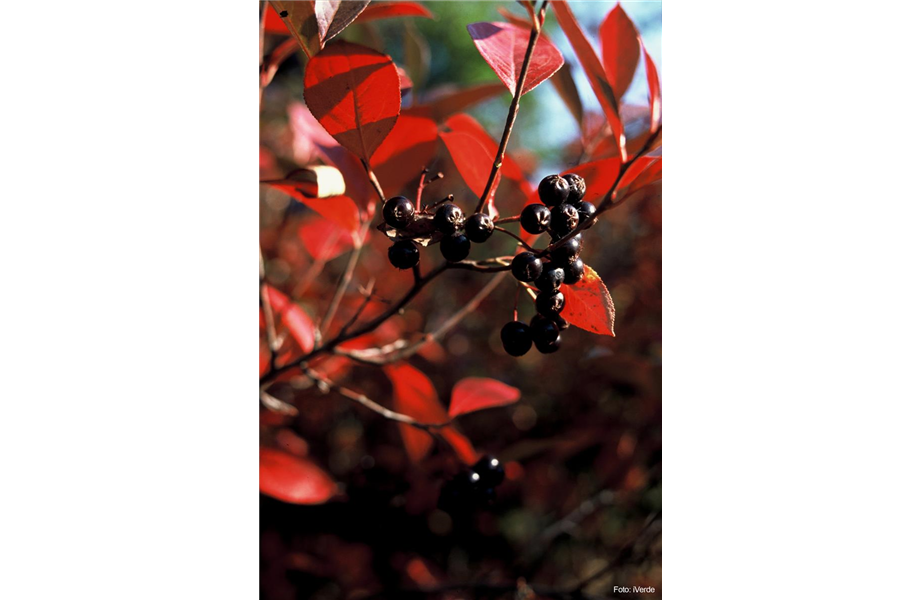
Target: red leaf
x=353, y=92
x=414, y=395
x=293, y=318
x=341, y=210
x=461, y=445
x=620, y=49
x=323, y=239
x=395, y=9
x=588, y=304
x=473, y=161
x=454, y=101
x=599, y=177
x=510, y=168
x=292, y=479
x=273, y=23
x=478, y=393
x=654, y=92
x=332, y=16
x=593, y=70
x=645, y=170
x=503, y=45
x=409, y=148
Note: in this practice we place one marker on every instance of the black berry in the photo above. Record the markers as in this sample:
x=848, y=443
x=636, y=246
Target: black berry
x=566, y=252
x=586, y=211
x=526, y=267
x=479, y=228
x=550, y=303
x=398, y=212
x=449, y=218
x=550, y=346
x=550, y=279
x=403, y=254
x=543, y=330
x=535, y=218
x=554, y=190
x=574, y=272
x=564, y=219
x=455, y=247
x=491, y=472
x=577, y=187
x=516, y=338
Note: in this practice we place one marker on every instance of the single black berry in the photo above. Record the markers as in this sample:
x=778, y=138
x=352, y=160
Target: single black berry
x=403, y=254
x=586, y=212
x=449, y=218
x=554, y=190
x=398, y=212
x=550, y=303
x=574, y=272
x=479, y=227
x=516, y=338
x=564, y=219
x=455, y=247
x=550, y=346
x=491, y=472
x=550, y=279
x=566, y=252
x=535, y=218
x=543, y=329
x=526, y=266
x=577, y=187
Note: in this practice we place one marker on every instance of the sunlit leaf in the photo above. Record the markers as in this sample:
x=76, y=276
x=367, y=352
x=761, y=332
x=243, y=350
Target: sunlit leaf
x=588, y=304
x=414, y=395
x=409, y=148
x=390, y=10
x=293, y=479
x=503, y=46
x=473, y=162
x=293, y=319
x=619, y=49
x=478, y=393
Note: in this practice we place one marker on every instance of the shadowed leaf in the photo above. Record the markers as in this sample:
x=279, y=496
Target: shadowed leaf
x=380, y=10
x=293, y=479
x=478, y=393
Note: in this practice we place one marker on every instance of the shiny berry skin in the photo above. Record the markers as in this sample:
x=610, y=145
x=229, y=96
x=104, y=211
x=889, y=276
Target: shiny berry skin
x=398, y=212
x=550, y=303
x=403, y=254
x=479, y=228
x=491, y=472
x=449, y=218
x=550, y=279
x=535, y=218
x=577, y=187
x=586, y=212
x=574, y=272
x=554, y=190
x=455, y=247
x=549, y=347
x=564, y=219
x=543, y=329
x=516, y=338
x=566, y=252
x=526, y=267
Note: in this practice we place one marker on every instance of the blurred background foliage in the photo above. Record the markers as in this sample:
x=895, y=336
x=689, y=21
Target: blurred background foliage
x=587, y=432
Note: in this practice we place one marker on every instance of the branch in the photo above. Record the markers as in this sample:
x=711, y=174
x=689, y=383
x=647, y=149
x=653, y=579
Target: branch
x=513, y=109
x=523, y=243
x=368, y=403
x=402, y=349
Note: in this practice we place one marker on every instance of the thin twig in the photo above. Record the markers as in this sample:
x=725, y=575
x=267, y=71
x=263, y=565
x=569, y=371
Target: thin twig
x=374, y=182
x=513, y=109
x=515, y=236
x=368, y=294
x=347, y=276
x=507, y=220
x=368, y=403
x=402, y=349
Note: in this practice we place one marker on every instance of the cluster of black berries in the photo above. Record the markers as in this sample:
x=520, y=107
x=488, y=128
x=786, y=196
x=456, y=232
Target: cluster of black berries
x=563, y=209
x=472, y=488
x=457, y=230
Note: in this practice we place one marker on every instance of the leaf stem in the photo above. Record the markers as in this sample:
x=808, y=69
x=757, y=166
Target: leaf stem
x=513, y=109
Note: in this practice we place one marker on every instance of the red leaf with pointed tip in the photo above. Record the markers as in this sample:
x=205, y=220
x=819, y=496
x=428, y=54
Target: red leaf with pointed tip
x=510, y=168
x=654, y=91
x=619, y=49
x=353, y=92
x=478, y=393
x=597, y=77
x=297, y=322
x=394, y=9
x=292, y=479
x=414, y=395
x=332, y=16
x=273, y=23
x=645, y=170
x=461, y=445
x=588, y=304
x=409, y=148
x=503, y=45
x=599, y=177
x=341, y=210
x=474, y=163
